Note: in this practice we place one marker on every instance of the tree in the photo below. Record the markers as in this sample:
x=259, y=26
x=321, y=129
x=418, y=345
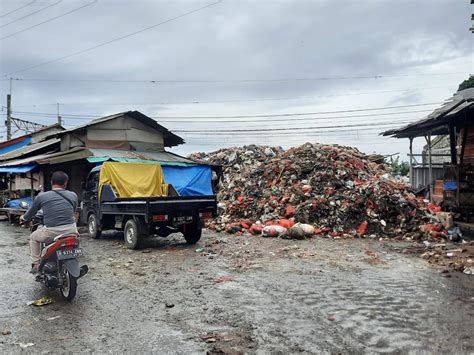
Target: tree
x=399, y=167
x=466, y=84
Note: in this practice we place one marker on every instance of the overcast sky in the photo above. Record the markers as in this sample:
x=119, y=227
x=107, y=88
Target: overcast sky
x=238, y=58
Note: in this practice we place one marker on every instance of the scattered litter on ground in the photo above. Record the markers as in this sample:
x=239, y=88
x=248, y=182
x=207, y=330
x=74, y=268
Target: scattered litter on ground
x=6, y=332
x=169, y=305
x=459, y=257
x=224, y=278
x=41, y=302
x=24, y=345
x=53, y=318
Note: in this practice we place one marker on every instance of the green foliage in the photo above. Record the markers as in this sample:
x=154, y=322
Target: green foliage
x=399, y=167
x=466, y=84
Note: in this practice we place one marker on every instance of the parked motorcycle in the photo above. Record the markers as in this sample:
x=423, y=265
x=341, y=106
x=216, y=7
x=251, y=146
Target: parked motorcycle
x=59, y=267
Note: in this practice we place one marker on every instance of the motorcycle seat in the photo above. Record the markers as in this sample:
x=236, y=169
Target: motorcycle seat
x=51, y=240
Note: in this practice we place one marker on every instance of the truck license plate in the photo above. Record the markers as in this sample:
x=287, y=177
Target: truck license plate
x=182, y=220
x=69, y=253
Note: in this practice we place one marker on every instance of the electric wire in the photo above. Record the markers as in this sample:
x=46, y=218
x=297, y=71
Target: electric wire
x=292, y=129
x=196, y=81
x=48, y=20
x=113, y=40
x=19, y=8
x=166, y=119
x=304, y=114
x=196, y=102
x=31, y=13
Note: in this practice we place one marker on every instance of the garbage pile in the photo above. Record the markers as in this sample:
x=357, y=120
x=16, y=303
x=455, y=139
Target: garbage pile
x=315, y=189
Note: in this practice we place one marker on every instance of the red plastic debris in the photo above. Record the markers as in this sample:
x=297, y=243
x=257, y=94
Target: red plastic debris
x=290, y=211
x=362, y=228
x=287, y=223
x=434, y=208
x=256, y=229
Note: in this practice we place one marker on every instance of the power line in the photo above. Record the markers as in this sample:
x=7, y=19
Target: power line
x=19, y=8
x=163, y=119
x=31, y=14
x=306, y=113
x=113, y=40
x=195, y=81
x=49, y=20
x=345, y=133
x=87, y=117
x=195, y=102
x=292, y=129
x=293, y=119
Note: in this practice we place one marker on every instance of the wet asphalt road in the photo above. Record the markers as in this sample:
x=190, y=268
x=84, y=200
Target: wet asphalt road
x=238, y=295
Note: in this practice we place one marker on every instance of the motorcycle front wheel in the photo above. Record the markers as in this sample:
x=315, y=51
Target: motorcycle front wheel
x=68, y=284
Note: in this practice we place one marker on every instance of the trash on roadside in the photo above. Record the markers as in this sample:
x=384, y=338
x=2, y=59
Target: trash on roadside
x=209, y=338
x=199, y=250
x=169, y=305
x=6, y=332
x=337, y=190
x=24, y=345
x=41, y=302
x=53, y=318
x=224, y=278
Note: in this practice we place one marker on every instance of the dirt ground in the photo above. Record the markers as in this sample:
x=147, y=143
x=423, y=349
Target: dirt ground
x=232, y=295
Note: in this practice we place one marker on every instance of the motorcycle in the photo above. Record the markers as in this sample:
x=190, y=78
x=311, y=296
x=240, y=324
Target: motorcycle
x=59, y=267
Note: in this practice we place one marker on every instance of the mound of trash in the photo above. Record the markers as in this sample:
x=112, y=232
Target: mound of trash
x=315, y=189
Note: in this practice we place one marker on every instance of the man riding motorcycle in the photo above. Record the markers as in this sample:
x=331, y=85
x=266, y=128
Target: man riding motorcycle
x=59, y=206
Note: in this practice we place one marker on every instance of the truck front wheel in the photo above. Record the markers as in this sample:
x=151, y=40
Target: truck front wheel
x=131, y=234
x=93, y=226
x=192, y=233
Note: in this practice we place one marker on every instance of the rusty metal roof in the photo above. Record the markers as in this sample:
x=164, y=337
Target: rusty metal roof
x=437, y=123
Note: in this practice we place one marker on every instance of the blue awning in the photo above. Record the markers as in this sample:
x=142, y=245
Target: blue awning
x=16, y=169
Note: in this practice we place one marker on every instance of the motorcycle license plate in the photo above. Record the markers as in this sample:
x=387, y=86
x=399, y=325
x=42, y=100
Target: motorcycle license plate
x=69, y=253
x=179, y=220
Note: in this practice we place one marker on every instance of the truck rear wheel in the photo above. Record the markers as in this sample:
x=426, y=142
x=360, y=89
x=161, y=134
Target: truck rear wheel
x=131, y=234
x=192, y=233
x=93, y=226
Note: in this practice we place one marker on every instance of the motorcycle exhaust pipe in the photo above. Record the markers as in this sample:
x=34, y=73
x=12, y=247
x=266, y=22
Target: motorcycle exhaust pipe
x=84, y=270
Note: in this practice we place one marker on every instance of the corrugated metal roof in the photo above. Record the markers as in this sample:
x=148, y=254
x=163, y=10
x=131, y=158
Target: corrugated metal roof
x=143, y=155
x=28, y=149
x=170, y=139
x=106, y=154
x=437, y=122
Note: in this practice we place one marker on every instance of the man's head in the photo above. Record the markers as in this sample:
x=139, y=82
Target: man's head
x=59, y=179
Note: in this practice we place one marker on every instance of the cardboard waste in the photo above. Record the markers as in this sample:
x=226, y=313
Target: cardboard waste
x=312, y=189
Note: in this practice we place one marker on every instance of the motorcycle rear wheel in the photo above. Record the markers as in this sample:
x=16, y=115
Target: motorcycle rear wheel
x=68, y=286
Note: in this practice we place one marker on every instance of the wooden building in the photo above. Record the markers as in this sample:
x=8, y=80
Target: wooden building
x=127, y=136
x=450, y=184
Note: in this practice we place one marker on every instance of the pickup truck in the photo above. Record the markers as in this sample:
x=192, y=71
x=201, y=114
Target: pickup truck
x=141, y=217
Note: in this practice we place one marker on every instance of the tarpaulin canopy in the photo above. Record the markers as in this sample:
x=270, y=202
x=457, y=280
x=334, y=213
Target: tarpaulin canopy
x=17, y=169
x=191, y=180
x=13, y=144
x=134, y=179
x=16, y=203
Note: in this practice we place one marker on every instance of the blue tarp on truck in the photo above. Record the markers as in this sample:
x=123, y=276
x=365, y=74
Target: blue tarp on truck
x=189, y=180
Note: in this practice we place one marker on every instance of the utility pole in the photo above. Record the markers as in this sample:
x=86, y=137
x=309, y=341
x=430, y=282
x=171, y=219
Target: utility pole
x=8, y=122
x=59, y=117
